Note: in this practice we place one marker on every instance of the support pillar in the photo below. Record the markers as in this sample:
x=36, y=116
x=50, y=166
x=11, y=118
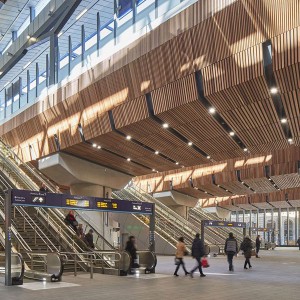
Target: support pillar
x=8, y=280
x=53, y=59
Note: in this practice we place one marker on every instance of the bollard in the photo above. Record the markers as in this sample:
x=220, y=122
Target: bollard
x=75, y=265
x=92, y=267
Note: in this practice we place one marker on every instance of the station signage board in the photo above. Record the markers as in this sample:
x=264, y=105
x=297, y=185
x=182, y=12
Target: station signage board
x=217, y=223
x=35, y=198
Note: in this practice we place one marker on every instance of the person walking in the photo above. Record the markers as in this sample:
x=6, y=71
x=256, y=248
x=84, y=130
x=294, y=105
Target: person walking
x=180, y=252
x=231, y=249
x=131, y=249
x=298, y=242
x=246, y=247
x=257, y=245
x=89, y=239
x=197, y=254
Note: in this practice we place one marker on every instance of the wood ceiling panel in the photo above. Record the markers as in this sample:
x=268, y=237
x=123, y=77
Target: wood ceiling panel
x=201, y=129
x=118, y=144
x=106, y=159
x=174, y=94
x=130, y=112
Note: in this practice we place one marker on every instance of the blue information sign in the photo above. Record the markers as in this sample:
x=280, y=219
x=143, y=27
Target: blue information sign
x=35, y=198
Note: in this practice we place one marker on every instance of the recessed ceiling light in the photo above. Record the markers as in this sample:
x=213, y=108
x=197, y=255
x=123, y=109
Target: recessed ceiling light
x=226, y=190
x=231, y=133
x=128, y=159
x=274, y=90
x=212, y=110
x=165, y=125
x=283, y=120
x=208, y=157
x=99, y=147
x=245, y=149
x=156, y=152
x=94, y=145
x=243, y=182
x=81, y=14
x=128, y=137
x=270, y=179
x=177, y=163
x=205, y=192
x=190, y=143
x=290, y=140
x=153, y=170
x=182, y=166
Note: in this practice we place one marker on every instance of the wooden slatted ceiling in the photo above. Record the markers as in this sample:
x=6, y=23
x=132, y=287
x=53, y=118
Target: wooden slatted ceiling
x=153, y=135
x=261, y=185
x=192, y=192
x=239, y=94
x=106, y=159
x=118, y=144
x=283, y=164
x=286, y=55
x=130, y=112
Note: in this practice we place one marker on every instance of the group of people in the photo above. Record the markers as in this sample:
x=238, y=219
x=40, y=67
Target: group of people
x=198, y=252
x=231, y=249
x=88, y=238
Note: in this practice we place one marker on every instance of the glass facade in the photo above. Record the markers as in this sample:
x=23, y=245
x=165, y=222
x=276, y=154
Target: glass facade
x=280, y=226
x=129, y=21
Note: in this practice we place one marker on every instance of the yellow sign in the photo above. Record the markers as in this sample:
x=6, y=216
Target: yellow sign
x=80, y=203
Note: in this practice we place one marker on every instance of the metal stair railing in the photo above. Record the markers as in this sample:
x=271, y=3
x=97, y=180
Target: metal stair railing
x=167, y=220
x=29, y=221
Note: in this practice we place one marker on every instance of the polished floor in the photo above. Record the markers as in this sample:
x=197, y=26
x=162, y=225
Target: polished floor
x=276, y=275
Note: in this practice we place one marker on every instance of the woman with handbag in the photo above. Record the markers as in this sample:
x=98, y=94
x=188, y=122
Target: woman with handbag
x=180, y=253
x=246, y=247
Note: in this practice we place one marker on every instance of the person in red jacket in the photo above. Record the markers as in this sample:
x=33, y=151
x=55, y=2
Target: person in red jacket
x=71, y=220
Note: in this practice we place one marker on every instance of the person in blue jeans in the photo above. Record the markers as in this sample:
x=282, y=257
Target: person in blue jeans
x=231, y=249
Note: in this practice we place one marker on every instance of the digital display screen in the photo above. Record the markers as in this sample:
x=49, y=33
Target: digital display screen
x=78, y=203
x=107, y=205
x=224, y=224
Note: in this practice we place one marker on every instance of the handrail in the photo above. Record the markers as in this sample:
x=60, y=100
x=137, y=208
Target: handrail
x=92, y=258
x=18, y=279
x=29, y=220
x=16, y=234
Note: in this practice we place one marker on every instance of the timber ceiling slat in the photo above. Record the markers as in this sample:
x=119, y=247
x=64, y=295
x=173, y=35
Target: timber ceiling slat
x=130, y=112
x=107, y=159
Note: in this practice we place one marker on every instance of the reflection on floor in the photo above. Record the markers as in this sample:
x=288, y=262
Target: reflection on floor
x=274, y=276
x=43, y=285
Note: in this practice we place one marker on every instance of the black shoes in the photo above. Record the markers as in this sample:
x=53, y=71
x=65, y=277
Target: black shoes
x=202, y=275
x=176, y=275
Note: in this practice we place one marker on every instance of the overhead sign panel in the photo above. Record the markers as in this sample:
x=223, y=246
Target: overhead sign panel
x=34, y=198
x=213, y=223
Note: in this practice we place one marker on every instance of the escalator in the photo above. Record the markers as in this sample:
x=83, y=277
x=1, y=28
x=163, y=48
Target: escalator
x=168, y=223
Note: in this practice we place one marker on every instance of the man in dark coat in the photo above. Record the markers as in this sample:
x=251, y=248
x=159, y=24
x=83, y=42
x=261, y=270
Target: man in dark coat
x=131, y=249
x=257, y=245
x=197, y=253
x=89, y=239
